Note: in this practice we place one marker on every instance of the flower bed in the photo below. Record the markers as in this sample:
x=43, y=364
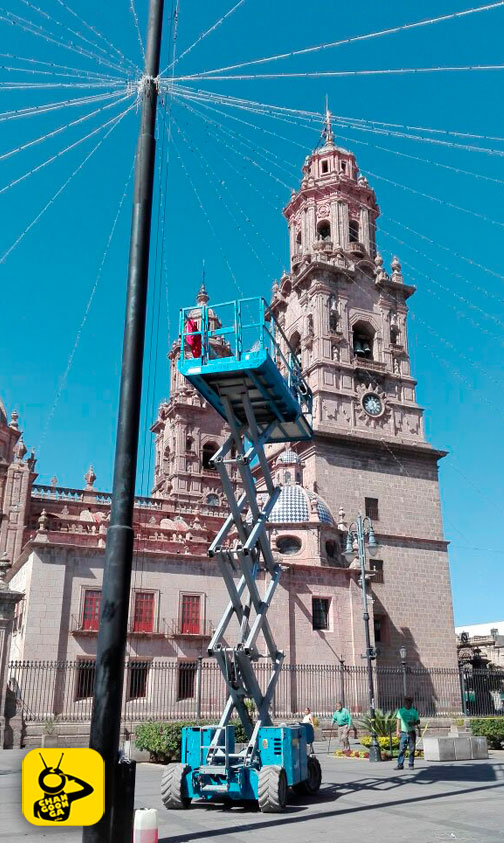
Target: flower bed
x=359, y=754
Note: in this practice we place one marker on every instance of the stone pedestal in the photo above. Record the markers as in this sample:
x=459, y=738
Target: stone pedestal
x=10, y=717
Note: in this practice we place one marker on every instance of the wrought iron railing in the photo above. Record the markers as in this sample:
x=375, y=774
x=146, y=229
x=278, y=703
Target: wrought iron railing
x=172, y=690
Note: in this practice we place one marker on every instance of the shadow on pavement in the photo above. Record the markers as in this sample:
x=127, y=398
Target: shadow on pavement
x=286, y=820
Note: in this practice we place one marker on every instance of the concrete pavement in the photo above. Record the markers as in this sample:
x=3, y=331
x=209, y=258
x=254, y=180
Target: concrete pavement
x=435, y=802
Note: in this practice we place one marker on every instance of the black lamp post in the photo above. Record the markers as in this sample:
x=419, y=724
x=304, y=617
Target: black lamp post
x=358, y=531
x=403, y=654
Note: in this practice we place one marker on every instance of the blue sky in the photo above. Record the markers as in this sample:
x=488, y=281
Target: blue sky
x=456, y=337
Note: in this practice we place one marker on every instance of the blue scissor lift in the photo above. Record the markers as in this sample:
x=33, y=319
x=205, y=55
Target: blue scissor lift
x=238, y=358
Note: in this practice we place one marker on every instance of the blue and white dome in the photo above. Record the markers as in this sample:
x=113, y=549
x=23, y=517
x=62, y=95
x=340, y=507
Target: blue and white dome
x=288, y=457
x=294, y=504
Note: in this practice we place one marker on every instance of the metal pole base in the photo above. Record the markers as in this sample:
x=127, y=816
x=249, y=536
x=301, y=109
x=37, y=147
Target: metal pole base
x=374, y=753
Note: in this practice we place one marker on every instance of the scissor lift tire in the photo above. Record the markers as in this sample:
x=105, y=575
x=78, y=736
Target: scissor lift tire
x=311, y=785
x=272, y=789
x=173, y=787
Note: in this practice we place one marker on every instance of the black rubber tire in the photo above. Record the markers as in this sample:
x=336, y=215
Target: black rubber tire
x=311, y=785
x=272, y=789
x=173, y=789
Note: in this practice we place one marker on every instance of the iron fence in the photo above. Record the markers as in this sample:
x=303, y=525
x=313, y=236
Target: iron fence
x=171, y=690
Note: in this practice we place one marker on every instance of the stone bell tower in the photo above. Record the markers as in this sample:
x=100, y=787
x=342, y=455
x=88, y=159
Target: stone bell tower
x=345, y=315
x=340, y=309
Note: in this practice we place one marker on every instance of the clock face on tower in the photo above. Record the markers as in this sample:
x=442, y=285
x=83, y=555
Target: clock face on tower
x=372, y=404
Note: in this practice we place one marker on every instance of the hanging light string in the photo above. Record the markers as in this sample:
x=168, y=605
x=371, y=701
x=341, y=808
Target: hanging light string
x=201, y=37
x=249, y=146
x=269, y=156
x=247, y=123
x=74, y=71
x=446, y=269
x=68, y=29
x=415, y=273
x=60, y=129
x=124, y=59
x=114, y=123
x=436, y=199
x=436, y=141
x=215, y=130
x=137, y=27
x=327, y=74
x=484, y=313
x=35, y=86
x=280, y=112
x=435, y=243
x=36, y=110
x=107, y=81
x=446, y=249
x=62, y=152
x=353, y=39
x=449, y=132
x=239, y=172
x=64, y=378
x=220, y=187
x=51, y=38
x=208, y=219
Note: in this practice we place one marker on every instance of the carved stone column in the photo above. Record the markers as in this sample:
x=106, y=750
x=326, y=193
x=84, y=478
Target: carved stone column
x=10, y=722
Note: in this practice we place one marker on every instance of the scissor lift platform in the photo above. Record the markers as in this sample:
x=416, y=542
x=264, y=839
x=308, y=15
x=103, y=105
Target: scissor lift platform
x=246, y=355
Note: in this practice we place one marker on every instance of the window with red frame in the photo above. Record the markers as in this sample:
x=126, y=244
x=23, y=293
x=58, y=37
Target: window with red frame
x=190, y=615
x=91, y=610
x=143, y=616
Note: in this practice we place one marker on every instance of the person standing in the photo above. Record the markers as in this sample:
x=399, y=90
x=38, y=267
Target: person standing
x=407, y=719
x=343, y=720
x=308, y=717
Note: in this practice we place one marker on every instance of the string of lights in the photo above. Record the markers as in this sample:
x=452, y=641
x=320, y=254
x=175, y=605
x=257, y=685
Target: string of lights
x=114, y=123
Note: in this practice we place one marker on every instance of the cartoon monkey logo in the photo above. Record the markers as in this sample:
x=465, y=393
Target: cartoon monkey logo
x=57, y=799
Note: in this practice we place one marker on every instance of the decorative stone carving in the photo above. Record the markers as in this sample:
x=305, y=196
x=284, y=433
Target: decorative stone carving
x=20, y=450
x=43, y=522
x=90, y=478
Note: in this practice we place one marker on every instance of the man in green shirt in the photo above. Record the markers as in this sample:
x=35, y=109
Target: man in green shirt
x=343, y=719
x=406, y=722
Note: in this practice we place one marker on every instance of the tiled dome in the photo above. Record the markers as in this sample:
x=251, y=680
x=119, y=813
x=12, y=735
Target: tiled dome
x=293, y=506
x=288, y=458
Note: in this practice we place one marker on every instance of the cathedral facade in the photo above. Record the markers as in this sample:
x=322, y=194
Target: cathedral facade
x=345, y=315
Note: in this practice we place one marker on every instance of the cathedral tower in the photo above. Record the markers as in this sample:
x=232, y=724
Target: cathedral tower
x=346, y=317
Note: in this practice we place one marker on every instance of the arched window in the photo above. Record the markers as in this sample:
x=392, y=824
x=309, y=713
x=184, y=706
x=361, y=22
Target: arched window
x=394, y=335
x=325, y=166
x=189, y=443
x=209, y=449
x=331, y=549
x=295, y=344
x=288, y=545
x=353, y=231
x=298, y=242
x=324, y=230
x=363, y=338
x=212, y=499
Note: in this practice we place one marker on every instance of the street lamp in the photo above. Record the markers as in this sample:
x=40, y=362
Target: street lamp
x=403, y=654
x=358, y=531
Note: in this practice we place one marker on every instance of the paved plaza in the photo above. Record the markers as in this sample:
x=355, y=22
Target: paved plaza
x=358, y=800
